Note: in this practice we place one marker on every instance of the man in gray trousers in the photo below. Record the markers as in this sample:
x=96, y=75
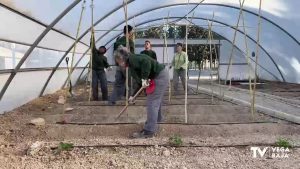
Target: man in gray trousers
x=120, y=77
x=143, y=69
x=180, y=65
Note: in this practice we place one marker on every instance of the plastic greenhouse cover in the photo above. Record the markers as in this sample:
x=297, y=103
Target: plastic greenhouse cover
x=40, y=58
x=280, y=40
x=45, y=11
x=23, y=83
x=11, y=24
x=272, y=10
x=228, y=32
x=70, y=56
x=59, y=78
x=3, y=78
x=56, y=81
x=282, y=13
x=60, y=42
x=279, y=11
x=69, y=22
x=11, y=54
x=250, y=21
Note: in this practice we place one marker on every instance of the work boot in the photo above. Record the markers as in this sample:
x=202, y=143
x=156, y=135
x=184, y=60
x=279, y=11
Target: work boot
x=94, y=99
x=111, y=103
x=143, y=134
x=175, y=93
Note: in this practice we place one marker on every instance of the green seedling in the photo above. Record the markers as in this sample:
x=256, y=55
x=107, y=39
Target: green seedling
x=63, y=147
x=176, y=140
x=281, y=142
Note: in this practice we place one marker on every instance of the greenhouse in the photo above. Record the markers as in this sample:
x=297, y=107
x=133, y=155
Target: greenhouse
x=149, y=84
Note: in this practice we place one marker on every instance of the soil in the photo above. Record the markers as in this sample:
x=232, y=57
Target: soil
x=219, y=134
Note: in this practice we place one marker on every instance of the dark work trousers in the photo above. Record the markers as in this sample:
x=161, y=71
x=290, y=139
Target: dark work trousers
x=119, y=85
x=99, y=76
x=154, y=101
x=119, y=88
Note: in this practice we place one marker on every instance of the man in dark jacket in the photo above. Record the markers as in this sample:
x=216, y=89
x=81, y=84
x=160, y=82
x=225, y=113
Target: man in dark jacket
x=144, y=68
x=148, y=50
x=120, y=77
x=122, y=40
x=99, y=63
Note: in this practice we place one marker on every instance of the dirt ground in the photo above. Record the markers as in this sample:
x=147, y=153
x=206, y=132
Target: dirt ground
x=285, y=90
x=219, y=134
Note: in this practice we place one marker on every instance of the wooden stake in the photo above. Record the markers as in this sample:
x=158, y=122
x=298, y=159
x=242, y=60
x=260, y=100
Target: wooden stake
x=233, y=43
x=128, y=48
x=257, y=54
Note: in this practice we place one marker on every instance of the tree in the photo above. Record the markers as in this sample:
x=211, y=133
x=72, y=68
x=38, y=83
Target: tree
x=197, y=53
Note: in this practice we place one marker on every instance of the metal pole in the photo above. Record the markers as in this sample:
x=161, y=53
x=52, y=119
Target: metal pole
x=71, y=47
x=36, y=42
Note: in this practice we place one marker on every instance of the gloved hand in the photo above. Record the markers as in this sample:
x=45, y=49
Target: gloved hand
x=131, y=100
x=145, y=83
x=109, y=69
x=170, y=67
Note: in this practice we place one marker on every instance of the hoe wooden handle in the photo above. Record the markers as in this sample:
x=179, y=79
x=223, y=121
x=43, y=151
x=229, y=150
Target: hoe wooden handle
x=124, y=109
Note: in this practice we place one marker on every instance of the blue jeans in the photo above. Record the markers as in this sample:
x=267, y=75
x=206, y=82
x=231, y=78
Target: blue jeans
x=99, y=76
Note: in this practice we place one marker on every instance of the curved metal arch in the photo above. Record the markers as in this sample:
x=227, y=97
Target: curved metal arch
x=213, y=21
x=254, y=41
x=38, y=22
x=79, y=74
x=152, y=20
x=81, y=36
x=178, y=4
x=160, y=7
x=211, y=4
x=262, y=17
x=37, y=46
x=36, y=42
x=210, y=20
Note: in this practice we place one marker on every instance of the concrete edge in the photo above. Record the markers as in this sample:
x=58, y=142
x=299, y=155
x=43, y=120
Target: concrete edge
x=270, y=96
x=264, y=110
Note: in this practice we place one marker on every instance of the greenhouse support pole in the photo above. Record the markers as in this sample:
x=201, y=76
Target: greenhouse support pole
x=234, y=40
x=256, y=58
x=128, y=48
x=249, y=64
x=93, y=43
x=82, y=35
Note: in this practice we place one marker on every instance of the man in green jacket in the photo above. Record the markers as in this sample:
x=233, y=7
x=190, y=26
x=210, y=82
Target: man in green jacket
x=122, y=40
x=148, y=50
x=144, y=68
x=120, y=76
x=99, y=63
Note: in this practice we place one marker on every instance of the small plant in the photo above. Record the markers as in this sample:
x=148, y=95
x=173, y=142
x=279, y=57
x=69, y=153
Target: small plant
x=63, y=147
x=281, y=142
x=175, y=140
